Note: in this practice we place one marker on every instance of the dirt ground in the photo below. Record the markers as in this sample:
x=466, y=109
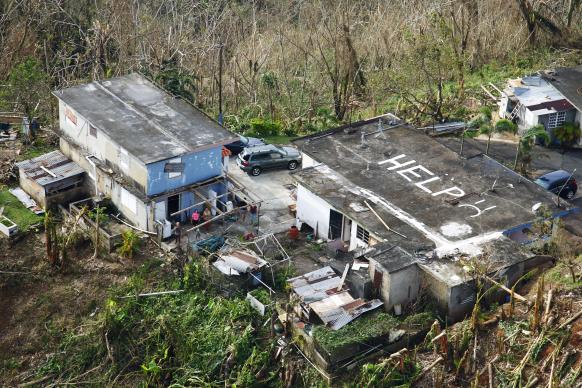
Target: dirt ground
x=39, y=302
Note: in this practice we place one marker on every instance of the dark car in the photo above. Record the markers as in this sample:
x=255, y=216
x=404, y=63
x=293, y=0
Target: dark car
x=256, y=159
x=559, y=182
x=242, y=143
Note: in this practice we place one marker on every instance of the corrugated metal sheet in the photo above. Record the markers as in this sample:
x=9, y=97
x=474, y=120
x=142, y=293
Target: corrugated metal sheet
x=317, y=291
x=347, y=317
x=241, y=261
x=55, y=162
x=330, y=308
x=312, y=277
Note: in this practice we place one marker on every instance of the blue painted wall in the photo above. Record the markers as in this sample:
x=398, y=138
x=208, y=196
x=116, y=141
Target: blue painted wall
x=197, y=167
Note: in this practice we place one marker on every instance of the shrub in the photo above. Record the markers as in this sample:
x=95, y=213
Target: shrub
x=264, y=128
x=567, y=134
x=130, y=244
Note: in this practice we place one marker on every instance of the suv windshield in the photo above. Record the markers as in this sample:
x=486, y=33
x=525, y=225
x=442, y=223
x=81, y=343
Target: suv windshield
x=544, y=182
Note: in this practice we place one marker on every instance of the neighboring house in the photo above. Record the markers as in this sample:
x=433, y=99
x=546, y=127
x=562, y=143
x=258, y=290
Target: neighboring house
x=152, y=153
x=550, y=99
x=379, y=183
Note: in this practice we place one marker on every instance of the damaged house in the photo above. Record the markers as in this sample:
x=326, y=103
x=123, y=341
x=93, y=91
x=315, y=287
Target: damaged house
x=415, y=209
x=551, y=99
x=156, y=156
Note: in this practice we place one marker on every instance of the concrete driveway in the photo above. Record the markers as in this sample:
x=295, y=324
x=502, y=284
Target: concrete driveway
x=274, y=187
x=545, y=159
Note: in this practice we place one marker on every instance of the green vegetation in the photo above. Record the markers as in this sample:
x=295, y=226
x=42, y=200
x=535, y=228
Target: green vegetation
x=130, y=245
x=384, y=374
x=365, y=328
x=567, y=134
x=196, y=338
x=15, y=211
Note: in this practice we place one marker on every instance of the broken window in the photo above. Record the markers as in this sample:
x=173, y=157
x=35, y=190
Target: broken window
x=362, y=234
x=174, y=168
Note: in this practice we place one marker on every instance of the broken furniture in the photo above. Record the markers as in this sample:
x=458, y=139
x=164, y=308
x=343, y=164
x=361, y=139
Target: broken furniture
x=51, y=179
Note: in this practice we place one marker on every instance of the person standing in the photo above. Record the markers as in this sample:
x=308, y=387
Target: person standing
x=195, y=217
x=178, y=234
x=253, y=212
x=206, y=217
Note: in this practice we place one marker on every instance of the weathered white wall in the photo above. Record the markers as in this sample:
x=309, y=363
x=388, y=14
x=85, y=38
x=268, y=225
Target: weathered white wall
x=395, y=286
x=139, y=216
x=401, y=283
x=313, y=211
x=101, y=146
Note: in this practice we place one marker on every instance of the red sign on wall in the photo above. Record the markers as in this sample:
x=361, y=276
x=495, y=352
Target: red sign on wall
x=71, y=115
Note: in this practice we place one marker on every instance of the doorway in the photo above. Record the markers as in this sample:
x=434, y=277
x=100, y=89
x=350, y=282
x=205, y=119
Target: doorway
x=335, y=224
x=173, y=206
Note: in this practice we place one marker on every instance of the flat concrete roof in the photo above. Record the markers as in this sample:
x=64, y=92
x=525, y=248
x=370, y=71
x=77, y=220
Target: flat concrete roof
x=391, y=257
x=55, y=162
x=419, y=187
x=568, y=80
x=148, y=122
x=500, y=254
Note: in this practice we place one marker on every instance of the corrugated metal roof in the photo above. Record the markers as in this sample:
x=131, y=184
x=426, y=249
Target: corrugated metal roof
x=55, y=162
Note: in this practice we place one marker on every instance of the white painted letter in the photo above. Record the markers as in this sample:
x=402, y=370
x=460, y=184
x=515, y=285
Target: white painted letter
x=396, y=164
x=421, y=184
x=452, y=191
x=411, y=172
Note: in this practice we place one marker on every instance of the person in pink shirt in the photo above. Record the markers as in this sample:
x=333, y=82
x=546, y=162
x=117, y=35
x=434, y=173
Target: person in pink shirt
x=195, y=218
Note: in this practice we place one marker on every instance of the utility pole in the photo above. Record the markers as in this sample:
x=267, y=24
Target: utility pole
x=220, y=116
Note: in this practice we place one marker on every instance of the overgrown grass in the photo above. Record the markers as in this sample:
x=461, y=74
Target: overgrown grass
x=37, y=148
x=196, y=338
x=365, y=328
x=16, y=211
x=561, y=275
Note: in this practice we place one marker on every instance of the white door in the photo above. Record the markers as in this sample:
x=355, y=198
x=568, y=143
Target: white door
x=160, y=211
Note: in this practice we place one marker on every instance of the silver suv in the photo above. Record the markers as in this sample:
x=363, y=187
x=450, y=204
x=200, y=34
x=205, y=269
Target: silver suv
x=254, y=160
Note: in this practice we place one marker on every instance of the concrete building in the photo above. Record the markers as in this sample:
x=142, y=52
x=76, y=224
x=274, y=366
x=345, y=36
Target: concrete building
x=382, y=184
x=550, y=99
x=51, y=179
x=153, y=154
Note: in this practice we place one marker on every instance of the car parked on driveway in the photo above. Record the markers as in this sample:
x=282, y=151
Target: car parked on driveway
x=243, y=142
x=559, y=182
x=254, y=160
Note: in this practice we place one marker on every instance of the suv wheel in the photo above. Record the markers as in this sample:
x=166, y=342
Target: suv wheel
x=292, y=165
x=569, y=194
x=256, y=171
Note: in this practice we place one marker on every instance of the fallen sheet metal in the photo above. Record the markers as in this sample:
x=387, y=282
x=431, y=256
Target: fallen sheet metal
x=330, y=309
x=224, y=268
x=26, y=200
x=350, y=315
x=239, y=261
